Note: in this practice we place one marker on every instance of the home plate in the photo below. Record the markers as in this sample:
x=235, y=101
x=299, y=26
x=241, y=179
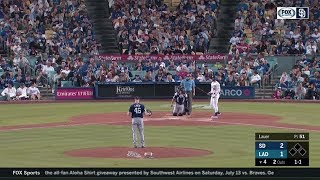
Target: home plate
x=173, y=117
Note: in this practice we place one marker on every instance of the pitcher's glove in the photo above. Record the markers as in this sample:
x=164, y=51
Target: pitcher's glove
x=149, y=112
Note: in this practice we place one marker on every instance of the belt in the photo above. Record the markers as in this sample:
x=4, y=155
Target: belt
x=188, y=91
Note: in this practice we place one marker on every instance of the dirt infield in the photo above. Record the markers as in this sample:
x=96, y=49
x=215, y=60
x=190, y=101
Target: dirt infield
x=137, y=153
x=199, y=118
x=126, y=100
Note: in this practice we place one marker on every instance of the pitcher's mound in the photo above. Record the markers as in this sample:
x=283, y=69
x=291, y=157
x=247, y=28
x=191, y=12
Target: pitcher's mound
x=137, y=153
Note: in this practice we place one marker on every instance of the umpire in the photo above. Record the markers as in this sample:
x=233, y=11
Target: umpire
x=189, y=87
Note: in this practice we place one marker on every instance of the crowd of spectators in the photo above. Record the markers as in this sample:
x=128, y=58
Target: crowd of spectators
x=150, y=27
x=58, y=28
x=257, y=29
x=11, y=93
x=82, y=73
x=142, y=25
x=303, y=82
x=54, y=29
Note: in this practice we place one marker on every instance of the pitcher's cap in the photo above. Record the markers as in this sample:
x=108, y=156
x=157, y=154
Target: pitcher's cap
x=136, y=97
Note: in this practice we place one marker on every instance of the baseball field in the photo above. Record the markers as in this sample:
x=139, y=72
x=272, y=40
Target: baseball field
x=98, y=134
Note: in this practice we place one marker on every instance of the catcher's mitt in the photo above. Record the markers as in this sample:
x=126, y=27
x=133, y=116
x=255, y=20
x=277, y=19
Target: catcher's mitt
x=149, y=112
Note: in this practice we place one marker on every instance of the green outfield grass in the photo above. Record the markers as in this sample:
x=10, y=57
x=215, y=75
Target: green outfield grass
x=233, y=146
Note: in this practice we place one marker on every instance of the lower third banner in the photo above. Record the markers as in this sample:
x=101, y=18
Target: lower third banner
x=74, y=93
x=159, y=172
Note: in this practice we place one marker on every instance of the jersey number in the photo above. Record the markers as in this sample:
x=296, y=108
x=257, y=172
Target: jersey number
x=137, y=110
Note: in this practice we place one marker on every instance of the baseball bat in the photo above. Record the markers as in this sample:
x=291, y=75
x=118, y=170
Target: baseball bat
x=201, y=90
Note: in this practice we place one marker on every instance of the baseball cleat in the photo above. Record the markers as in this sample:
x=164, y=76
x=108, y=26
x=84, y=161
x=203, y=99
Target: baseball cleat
x=142, y=146
x=218, y=113
x=135, y=146
x=214, y=117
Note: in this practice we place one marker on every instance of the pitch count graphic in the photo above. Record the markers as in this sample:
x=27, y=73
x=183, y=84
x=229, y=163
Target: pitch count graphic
x=282, y=149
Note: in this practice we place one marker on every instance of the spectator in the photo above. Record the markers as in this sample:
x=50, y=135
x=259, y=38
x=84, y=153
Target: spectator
x=311, y=48
x=230, y=81
x=316, y=35
x=22, y=62
x=88, y=80
x=9, y=93
x=278, y=94
x=300, y=92
x=109, y=77
x=137, y=78
x=243, y=80
x=34, y=92
x=255, y=79
x=22, y=92
x=148, y=77
x=171, y=66
x=284, y=80
x=169, y=78
x=312, y=93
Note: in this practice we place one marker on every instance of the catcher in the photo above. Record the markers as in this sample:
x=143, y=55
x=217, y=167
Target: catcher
x=178, y=103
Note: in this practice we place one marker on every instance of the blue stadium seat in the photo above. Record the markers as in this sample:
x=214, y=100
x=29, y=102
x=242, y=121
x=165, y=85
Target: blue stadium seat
x=16, y=84
x=66, y=84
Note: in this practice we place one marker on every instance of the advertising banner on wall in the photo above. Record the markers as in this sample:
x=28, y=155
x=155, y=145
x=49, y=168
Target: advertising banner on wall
x=228, y=92
x=166, y=90
x=157, y=58
x=74, y=93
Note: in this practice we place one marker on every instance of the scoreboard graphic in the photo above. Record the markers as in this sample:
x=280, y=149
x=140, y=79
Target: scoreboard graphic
x=282, y=149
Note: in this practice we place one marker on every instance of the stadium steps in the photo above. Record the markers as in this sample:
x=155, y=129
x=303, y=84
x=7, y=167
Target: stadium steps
x=225, y=27
x=264, y=93
x=104, y=32
x=46, y=93
x=268, y=90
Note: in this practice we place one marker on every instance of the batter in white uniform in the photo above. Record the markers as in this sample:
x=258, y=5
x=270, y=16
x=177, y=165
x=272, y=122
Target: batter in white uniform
x=215, y=95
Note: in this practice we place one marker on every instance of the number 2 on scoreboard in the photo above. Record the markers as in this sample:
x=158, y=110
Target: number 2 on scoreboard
x=281, y=145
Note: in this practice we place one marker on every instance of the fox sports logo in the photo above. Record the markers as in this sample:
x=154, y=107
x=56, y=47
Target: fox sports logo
x=286, y=13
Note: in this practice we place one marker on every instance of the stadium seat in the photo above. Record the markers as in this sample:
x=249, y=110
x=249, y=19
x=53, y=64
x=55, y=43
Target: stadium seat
x=16, y=85
x=32, y=60
x=172, y=72
x=66, y=84
x=214, y=69
x=140, y=73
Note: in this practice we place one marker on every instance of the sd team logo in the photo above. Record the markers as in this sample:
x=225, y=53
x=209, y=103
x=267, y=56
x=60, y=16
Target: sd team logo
x=292, y=12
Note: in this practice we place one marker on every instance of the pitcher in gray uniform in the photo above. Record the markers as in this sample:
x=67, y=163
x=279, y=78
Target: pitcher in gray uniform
x=136, y=111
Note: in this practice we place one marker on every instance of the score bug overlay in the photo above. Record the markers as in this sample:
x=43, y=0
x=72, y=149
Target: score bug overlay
x=282, y=149
x=292, y=12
